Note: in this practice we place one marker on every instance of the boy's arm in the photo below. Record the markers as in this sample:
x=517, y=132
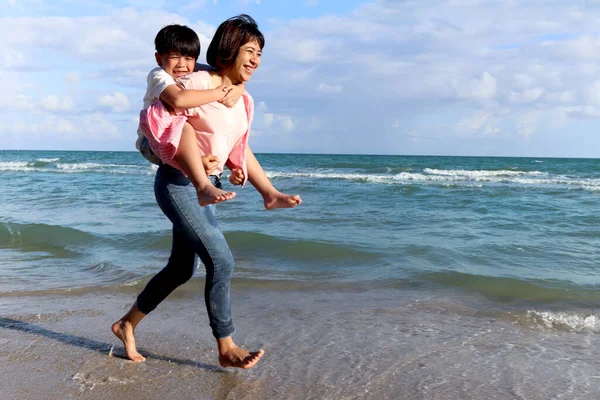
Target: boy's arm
x=231, y=97
x=177, y=97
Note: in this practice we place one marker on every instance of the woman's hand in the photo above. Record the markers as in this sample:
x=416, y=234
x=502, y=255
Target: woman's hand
x=237, y=176
x=210, y=163
x=233, y=94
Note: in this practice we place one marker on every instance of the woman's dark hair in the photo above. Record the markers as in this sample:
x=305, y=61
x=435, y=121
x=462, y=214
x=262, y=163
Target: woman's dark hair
x=177, y=39
x=230, y=36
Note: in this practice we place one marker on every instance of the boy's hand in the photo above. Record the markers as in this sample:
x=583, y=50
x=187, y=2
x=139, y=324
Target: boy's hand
x=210, y=163
x=225, y=89
x=237, y=176
x=232, y=95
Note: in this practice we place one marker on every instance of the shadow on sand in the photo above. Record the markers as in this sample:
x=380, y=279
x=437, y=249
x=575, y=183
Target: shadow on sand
x=90, y=344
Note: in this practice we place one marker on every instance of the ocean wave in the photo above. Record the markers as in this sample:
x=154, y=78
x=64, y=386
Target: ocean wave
x=196, y=285
x=99, y=167
x=56, y=240
x=298, y=251
x=110, y=273
x=497, y=287
x=50, y=165
x=476, y=174
x=452, y=177
x=564, y=320
x=16, y=166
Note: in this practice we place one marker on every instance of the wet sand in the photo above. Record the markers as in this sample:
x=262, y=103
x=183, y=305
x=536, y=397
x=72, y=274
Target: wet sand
x=319, y=345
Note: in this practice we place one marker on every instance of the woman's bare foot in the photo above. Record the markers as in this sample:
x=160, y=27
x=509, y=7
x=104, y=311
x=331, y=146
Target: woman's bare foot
x=124, y=331
x=230, y=355
x=281, y=200
x=212, y=195
x=240, y=358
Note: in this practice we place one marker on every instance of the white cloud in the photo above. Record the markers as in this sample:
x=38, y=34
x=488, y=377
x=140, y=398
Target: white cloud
x=562, y=97
x=72, y=78
x=268, y=119
x=27, y=129
x=584, y=112
x=594, y=93
x=262, y=106
x=53, y=103
x=475, y=122
x=13, y=59
x=195, y=5
x=118, y=102
x=477, y=89
x=22, y=102
x=301, y=75
x=276, y=124
x=527, y=123
x=65, y=126
x=98, y=126
x=444, y=67
x=287, y=123
x=483, y=123
x=147, y=3
x=326, y=88
x=525, y=96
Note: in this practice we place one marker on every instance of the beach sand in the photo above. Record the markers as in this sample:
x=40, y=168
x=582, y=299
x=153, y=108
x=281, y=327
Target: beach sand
x=320, y=344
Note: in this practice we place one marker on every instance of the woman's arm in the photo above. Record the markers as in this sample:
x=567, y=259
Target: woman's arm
x=257, y=176
x=272, y=197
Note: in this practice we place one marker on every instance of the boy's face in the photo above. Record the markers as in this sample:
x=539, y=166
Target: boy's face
x=175, y=64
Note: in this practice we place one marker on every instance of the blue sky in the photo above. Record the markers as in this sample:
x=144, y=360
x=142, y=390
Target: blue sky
x=454, y=77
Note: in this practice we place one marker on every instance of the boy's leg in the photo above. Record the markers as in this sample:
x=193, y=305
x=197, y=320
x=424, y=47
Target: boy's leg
x=189, y=158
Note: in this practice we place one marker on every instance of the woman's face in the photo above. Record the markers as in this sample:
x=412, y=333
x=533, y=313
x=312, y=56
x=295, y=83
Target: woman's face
x=248, y=59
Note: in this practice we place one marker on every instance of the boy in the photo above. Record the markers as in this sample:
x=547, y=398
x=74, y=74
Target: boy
x=177, y=50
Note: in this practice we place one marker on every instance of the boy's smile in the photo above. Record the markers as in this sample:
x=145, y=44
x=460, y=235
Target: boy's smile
x=175, y=64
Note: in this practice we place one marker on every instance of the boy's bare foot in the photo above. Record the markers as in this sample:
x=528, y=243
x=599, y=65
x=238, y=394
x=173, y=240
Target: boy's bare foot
x=281, y=200
x=212, y=195
x=239, y=358
x=124, y=331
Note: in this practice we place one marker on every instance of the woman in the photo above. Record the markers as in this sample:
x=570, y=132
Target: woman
x=235, y=53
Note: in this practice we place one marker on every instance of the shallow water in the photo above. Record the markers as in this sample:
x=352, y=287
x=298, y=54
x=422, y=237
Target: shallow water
x=333, y=344
x=398, y=277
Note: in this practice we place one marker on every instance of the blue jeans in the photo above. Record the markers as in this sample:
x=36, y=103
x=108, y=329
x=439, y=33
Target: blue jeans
x=195, y=232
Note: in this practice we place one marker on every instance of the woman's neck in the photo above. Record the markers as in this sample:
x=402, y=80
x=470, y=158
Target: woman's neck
x=228, y=78
x=221, y=77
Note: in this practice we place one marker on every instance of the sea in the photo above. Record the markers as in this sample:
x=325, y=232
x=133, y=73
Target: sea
x=423, y=277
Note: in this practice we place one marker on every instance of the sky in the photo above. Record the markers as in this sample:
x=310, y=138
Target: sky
x=415, y=77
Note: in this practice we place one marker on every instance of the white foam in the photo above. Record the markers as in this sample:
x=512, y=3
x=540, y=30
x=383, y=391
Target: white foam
x=85, y=166
x=15, y=166
x=454, y=177
x=480, y=173
x=24, y=166
x=574, y=321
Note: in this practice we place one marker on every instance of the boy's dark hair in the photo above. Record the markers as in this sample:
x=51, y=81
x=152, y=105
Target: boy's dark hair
x=230, y=36
x=178, y=39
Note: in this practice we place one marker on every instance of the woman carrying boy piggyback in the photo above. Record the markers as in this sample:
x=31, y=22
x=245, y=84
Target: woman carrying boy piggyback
x=204, y=113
